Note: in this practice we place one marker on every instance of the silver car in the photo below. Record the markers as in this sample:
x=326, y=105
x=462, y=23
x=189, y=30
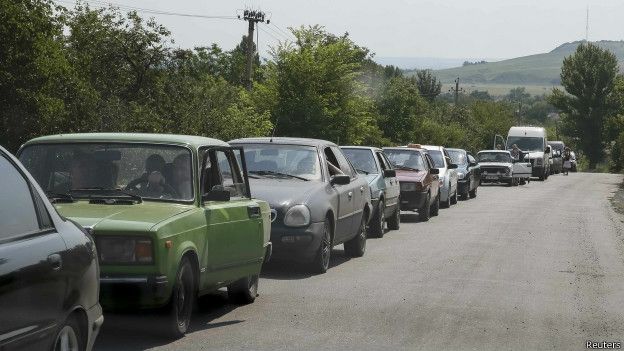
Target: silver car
x=448, y=174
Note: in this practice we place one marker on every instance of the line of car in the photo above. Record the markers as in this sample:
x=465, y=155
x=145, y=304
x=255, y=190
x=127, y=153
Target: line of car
x=153, y=221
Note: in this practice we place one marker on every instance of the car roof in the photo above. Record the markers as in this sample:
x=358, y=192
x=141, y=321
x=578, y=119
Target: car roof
x=433, y=147
x=190, y=140
x=372, y=148
x=403, y=148
x=455, y=149
x=492, y=151
x=283, y=141
x=527, y=131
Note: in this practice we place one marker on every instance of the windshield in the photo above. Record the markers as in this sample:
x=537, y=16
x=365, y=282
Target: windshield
x=458, y=157
x=362, y=159
x=500, y=157
x=275, y=160
x=87, y=169
x=438, y=158
x=406, y=158
x=526, y=143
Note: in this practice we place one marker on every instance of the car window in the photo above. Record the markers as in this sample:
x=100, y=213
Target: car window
x=230, y=173
x=283, y=161
x=343, y=163
x=405, y=158
x=471, y=159
x=362, y=159
x=457, y=157
x=430, y=163
x=382, y=162
x=437, y=157
x=18, y=213
x=333, y=165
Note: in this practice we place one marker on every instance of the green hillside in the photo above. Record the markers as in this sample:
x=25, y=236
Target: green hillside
x=540, y=69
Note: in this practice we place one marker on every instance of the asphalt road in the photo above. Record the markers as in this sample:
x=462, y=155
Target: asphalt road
x=532, y=267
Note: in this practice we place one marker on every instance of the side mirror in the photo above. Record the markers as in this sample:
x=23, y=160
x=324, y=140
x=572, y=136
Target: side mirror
x=452, y=166
x=217, y=195
x=389, y=173
x=340, y=179
x=435, y=171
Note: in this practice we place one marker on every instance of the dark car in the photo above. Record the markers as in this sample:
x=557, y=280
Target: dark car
x=420, y=184
x=48, y=270
x=557, y=148
x=385, y=189
x=317, y=198
x=468, y=172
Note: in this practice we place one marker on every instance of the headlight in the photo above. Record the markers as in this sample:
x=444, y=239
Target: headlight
x=460, y=175
x=125, y=250
x=508, y=171
x=297, y=216
x=408, y=186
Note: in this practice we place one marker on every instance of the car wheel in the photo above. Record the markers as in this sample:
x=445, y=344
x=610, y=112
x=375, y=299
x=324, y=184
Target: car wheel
x=394, y=222
x=446, y=203
x=357, y=246
x=244, y=291
x=424, y=213
x=69, y=337
x=466, y=192
x=320, y=264
x=378, y=224
x=473, y=193
x=182, y=299
x=454, y=198
x=435, y=209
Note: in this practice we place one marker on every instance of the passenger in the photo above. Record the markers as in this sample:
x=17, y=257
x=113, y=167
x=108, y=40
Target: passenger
x=154, y=167
x=182, y=176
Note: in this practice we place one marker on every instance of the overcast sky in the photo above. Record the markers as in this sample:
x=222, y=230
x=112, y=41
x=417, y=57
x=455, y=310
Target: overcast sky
x=404, y=28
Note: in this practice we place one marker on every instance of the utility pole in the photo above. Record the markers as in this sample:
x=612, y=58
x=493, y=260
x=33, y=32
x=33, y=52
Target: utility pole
x=456, y=90
x=253, y=17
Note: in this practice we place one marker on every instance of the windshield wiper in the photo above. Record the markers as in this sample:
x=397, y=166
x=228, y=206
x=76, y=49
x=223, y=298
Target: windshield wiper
x=136, y=197
x=54, y=197
x=362, y=171
x=279, y=174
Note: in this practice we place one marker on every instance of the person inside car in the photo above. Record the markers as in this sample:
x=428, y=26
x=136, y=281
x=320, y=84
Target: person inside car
x=152, y=183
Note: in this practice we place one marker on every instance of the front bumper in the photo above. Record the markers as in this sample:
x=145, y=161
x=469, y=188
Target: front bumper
x=296, y=244
x=95, y=319
x=134, y=292
x=412, y=200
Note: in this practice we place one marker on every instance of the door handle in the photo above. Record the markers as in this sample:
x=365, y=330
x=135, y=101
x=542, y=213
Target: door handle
x=350, y=194
x=254, y=211
x=55, y=261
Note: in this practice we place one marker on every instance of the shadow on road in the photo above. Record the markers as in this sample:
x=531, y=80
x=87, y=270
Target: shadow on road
x=145, y=329
x=411, y=217
x=288, y=270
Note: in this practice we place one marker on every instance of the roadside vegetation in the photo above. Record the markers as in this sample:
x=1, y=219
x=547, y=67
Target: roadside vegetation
x=84, y=69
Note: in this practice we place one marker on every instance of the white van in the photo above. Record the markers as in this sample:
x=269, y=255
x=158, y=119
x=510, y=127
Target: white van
x=534, y=141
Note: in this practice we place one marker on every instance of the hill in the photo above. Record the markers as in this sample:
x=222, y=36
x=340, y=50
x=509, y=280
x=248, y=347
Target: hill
x=540, y=69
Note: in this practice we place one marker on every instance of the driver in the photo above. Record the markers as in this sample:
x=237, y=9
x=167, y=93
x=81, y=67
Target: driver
x=152, y=182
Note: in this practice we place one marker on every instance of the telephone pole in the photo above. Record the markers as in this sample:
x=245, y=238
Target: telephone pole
x=456, y=90
x=253, y=17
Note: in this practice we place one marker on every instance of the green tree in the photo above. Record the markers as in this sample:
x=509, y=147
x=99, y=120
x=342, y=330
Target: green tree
x=428, y=85
x=401, y=109
x=588, y=77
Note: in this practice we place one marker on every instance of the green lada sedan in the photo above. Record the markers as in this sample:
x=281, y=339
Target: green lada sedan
x=171, y=215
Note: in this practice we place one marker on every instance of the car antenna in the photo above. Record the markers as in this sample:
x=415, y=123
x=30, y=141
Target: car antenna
x=273, y=131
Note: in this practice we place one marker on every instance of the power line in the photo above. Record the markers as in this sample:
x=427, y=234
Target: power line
x=269, y=34
x=146, y=10
x=276, y=33
x=287, y=34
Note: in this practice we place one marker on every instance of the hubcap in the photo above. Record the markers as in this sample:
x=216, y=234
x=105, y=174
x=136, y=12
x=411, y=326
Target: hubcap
x=182, y=298
x=382, y=217
x=66, y=340
x=326, y=246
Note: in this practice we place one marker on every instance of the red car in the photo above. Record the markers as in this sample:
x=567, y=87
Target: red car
x=420, y=185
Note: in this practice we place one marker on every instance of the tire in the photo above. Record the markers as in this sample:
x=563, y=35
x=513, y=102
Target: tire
x=356, y=247
x=320, y=264
x=378, y=224
x=473, y=193
x=454, y=198
x=466, y=193
x=182, y=299
x=394, y=222
x=435, y=209
x=424, y=213
x=510, y=183
x=69, y=337
x=244, y=291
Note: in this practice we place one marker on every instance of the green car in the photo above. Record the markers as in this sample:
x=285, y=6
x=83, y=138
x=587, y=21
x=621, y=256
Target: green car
x=171, y=215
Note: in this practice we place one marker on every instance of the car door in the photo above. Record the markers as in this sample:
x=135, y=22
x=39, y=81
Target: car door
x=392, y=184
x=33, y=284
x=452, y=173
x=475, y=171
x=345, y=193
x=234, y=226
x=432, y=179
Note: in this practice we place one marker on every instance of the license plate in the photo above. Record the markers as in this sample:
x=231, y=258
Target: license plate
x=491, y=177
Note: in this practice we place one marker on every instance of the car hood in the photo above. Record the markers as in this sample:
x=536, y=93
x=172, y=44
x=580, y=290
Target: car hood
x=495, y=164
x=126, y=218
x=282, y=193
x=410, y=176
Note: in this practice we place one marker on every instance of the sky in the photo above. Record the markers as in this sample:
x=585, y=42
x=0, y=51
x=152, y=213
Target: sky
x=488, y=29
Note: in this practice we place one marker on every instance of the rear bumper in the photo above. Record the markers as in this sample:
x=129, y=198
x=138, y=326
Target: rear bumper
x=134, y=292
x=296, y=244
x=95, y=319
x=498, y=179
x=412, y=200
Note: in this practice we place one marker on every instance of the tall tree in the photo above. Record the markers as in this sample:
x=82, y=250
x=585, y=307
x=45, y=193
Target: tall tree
x=588, y=77
x=428, y=85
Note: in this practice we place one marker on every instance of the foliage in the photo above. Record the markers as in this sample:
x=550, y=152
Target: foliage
x=588, y=77
x=428, y=85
